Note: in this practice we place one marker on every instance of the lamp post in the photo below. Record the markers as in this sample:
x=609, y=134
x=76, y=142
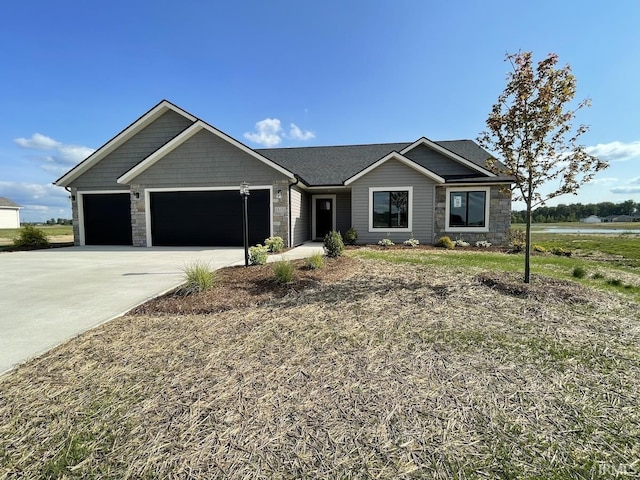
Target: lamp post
x=244, y=193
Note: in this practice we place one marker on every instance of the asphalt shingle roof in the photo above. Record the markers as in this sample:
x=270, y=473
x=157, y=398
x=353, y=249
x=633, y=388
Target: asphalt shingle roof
x=5, y=202
x=319, y=166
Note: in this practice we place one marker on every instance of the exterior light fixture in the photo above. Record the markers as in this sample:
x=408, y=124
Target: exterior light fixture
x=279, y=194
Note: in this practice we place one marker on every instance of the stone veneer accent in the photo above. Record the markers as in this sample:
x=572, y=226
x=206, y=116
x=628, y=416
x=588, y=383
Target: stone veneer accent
x=281, y=211
x=499, y=218
x=74, y=216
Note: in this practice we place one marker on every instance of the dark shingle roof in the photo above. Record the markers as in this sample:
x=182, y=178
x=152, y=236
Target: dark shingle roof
x=318, y=166
x=5, y=202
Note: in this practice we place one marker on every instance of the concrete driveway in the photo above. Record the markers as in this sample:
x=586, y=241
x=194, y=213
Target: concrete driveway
x=49, y=296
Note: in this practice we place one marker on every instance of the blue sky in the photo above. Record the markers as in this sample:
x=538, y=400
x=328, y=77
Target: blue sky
x=75, y=73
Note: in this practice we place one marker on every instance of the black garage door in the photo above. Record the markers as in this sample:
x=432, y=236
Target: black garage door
x=207, y=218
x=107, y=218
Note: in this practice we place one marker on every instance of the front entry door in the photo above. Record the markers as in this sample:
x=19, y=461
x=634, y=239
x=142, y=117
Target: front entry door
x=324, y=216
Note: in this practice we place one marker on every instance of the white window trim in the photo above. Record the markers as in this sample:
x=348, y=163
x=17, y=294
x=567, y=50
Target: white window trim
x=487, y=205
x=147, y=201
x=409, y=228
x=80, y=199
x=313, y=212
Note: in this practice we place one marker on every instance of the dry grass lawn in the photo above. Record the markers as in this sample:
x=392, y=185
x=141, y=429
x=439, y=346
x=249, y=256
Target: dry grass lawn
x=377, y=370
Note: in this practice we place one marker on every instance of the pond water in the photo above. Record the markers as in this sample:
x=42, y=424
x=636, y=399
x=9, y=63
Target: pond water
x=609, y=231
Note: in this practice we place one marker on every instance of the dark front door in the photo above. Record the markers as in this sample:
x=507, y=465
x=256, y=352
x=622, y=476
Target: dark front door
x=324, y=216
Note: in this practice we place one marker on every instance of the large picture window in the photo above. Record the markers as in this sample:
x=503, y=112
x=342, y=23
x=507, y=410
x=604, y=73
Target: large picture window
x=390, y=208
x=468, y=209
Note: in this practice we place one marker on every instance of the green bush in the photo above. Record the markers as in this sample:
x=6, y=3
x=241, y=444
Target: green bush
x=579, y=272
x=539, y=248
x=284, y=271
x=258, y=255
x=351, y=237
x=445, y=242
x=333, y=244
x=31, y=236
x=199, y=277
x=517, y=239
x=561, y=252
x=315, y=261
x=597, y=276
x=274, y=244
x=614, y=282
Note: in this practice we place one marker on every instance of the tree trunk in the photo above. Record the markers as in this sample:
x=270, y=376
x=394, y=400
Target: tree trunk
x=527, y=246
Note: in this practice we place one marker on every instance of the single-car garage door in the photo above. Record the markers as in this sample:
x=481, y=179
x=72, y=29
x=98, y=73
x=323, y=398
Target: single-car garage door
x=207, y=218
x=107, y=218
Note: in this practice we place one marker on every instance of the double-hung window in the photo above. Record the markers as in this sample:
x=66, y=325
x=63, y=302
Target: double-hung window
x=390, y=209
x=467, y=209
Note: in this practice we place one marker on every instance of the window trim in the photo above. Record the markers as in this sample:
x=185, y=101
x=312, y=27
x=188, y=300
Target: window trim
x=487, y=209
x=409, y=227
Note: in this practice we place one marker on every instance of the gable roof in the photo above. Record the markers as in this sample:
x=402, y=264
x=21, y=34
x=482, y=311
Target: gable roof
x=179, y=139
x=141, y=123
x=320, y=166
x=6, y=203
x=402, y=159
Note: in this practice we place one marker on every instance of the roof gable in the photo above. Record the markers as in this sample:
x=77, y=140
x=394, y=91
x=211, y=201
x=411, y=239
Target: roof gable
x=477, y=165
x=6, y=203
x=126, y=134
x=198, y=126
x=402, y=159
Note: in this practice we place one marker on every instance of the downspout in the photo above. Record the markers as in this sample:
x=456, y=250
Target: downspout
x=289, y=209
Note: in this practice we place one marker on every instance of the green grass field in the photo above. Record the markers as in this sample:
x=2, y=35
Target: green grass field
x=11, y=233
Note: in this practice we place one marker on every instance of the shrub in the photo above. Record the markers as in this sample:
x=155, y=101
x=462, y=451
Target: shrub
x=198, y=277
x=315, y=261
x=445, y=242
x=483, y=244
x=412, y=242
x=385, y=242
x=461, y=243
x=274, y=244
x=539, y=248
x=517, y=239
x=351, y=237
x=597, y=276
x=579, y=272
x=561, y=252
x=31, y=236
x=333, y=244
x=258, y=255
x=614, y=282
x=284, y=270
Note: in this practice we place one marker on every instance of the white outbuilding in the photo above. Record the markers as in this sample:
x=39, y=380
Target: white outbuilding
x=591, y=219
x=9, y=213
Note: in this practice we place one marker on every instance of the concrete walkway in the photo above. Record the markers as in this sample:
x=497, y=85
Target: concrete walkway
x=50, y=296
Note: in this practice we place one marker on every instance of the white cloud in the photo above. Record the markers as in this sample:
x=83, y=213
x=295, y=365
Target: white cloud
x=38, y=142
x=625, y=190
x=267, y=132
x=615, y=151
x=296, y=134
x=603, y=181
x=59, y=153
x=635, y=181
x=39, y=202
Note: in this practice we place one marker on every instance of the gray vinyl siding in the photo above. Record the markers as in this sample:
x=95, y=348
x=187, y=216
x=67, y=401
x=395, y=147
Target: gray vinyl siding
x=437, y=163
x=207, y=160
x=343, y=211
x=104, y=174
x=389, y=175
x=300, y=217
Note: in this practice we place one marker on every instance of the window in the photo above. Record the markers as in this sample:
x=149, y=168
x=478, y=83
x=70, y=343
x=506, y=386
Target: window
x=390, y=208
x=467, y=209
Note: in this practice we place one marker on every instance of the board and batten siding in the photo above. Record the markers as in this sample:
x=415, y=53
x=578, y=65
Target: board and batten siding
x=103, y=175
x=437, y=163
x=393, y=174
x=300, y=217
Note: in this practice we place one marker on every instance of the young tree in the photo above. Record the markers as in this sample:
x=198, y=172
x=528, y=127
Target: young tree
x=530, y=128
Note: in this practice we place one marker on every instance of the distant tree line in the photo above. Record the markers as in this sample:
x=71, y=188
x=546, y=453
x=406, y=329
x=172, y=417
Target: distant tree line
x=574, y=212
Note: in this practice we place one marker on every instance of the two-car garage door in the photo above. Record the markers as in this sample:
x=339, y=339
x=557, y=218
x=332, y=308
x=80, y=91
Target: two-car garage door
x=178, y=218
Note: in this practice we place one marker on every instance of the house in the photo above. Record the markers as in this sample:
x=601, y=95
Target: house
x=591, y=219
x=9, y=213
x=171, y=179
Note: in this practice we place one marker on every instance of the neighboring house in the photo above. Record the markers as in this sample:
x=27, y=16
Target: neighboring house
x=591, y=219
x=9, y=213
x=621, y=218
x=171, y=179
